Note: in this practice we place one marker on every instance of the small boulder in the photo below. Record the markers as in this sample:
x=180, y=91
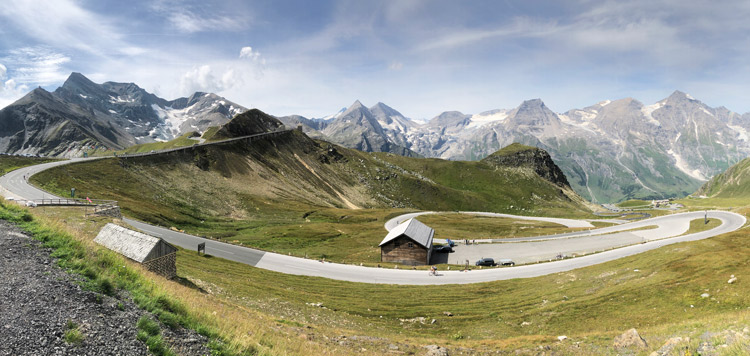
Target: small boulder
x=705, y=295
x=629, y=339
x=447, y=313
x=732, y=279
x=435, y=350
x=562, y=338
x=669, y=346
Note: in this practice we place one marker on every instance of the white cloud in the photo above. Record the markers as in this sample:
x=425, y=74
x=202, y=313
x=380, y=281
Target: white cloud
x=10, y=92
x=186, y=21
x=199, y=17
x=61, y=23
x=248, y=53
x=203, y=78
x=36, y=66
x=3, y=71
x=395, y=65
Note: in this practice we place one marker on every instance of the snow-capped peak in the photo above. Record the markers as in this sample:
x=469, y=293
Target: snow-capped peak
x=487, y=117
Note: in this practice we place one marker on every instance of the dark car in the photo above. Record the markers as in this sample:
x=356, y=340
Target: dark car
x=446, y=248
x=486, y=262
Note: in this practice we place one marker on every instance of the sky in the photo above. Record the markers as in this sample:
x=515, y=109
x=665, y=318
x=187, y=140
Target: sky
x=421, y=57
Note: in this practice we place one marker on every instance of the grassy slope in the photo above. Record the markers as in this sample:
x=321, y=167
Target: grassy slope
x=728, y=189
x=182, y=141
x=593, y=303
x=11, y=163
x=733, y=183
x=285, y=194
x=268, y=311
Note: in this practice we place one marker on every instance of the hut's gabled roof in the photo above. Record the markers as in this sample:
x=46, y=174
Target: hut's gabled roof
x=131, y=244
x=415, y=230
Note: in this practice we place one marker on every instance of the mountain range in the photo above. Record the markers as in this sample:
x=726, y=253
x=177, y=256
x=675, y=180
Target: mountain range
x=82, y=115
x=610, y=151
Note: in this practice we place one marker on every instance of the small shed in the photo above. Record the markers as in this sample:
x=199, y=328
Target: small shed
x=154, y=253
x=409, y=243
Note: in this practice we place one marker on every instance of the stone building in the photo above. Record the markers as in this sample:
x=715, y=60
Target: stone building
x=154, y=253
x=409, y=243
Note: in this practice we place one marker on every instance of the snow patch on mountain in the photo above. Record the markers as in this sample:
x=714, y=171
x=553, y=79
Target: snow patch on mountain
x=120, y=100
x=707, y=112
x=172, y=118
x=334, y=116
x=683, y=166
x=485, y=118
x=649, y=109
x=741, y=132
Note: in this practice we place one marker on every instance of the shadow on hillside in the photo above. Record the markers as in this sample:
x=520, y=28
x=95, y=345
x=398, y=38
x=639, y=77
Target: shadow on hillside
x=187, y=283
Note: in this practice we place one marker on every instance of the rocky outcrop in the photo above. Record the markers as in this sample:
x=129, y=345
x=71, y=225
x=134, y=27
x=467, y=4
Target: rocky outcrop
x=630, y=339
x=248, y=123
x=518, y=155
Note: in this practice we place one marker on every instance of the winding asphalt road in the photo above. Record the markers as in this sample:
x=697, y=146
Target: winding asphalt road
x=14, y=185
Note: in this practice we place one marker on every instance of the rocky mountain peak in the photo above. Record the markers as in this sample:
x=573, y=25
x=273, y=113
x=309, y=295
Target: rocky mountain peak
x=449, y=119
x=384, y=109
x=522, y=156
x=357, y=105
x=78, y=83
x=679, y=97
x=250, y=122
x=533, y=113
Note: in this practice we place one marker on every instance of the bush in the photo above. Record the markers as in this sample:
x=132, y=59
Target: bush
x=105, y=286
x=150, y=327
x=169, y=319
x=72, y=334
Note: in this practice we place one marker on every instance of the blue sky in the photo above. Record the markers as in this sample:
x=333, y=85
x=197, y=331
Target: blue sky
x=420, y=57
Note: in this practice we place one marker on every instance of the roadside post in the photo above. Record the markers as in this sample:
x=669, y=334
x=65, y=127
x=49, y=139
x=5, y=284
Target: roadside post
x=72, y=192
x=202, y=248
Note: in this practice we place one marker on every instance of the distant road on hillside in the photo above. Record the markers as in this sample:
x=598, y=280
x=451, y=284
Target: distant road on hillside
x=14, y=185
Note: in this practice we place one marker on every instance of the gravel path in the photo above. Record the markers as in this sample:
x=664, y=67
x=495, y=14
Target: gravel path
x=38, y=301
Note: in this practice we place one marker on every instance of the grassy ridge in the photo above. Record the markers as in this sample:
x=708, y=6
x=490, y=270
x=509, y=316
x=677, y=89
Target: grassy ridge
x=289, y=194
x=732, y=184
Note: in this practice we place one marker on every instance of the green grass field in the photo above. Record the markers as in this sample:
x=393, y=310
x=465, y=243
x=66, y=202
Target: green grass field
x=658, y=291
x=634, y=203
x=465, y=226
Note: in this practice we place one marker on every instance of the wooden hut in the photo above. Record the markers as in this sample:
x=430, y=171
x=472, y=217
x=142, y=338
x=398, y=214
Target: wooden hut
x=409, y=243
x=154, y=253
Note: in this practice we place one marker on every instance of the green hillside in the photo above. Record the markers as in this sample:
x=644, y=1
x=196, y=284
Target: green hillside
x=297, y=195
x=733, y=183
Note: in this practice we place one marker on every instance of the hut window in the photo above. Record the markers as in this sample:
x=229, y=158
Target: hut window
x=411, y=245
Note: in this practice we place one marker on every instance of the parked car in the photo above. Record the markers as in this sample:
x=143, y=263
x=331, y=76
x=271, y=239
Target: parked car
x=486, y=262
x=506, y=262
x=445, y=248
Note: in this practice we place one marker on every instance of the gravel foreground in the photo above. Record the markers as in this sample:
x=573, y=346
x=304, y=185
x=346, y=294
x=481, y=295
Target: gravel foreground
x=39, y=302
